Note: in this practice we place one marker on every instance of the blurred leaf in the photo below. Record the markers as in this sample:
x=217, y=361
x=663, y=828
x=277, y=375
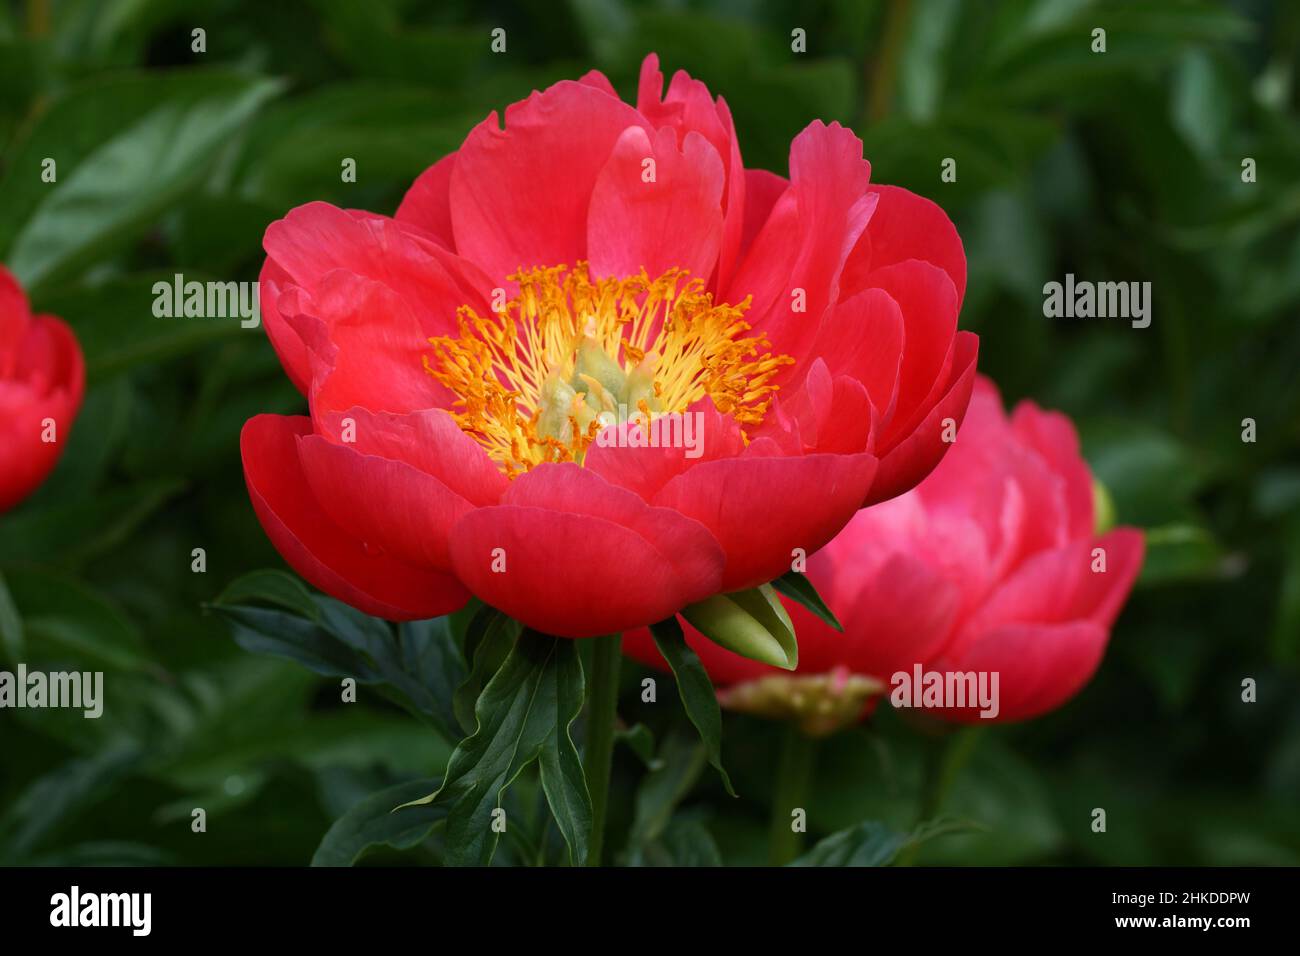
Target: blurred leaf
x=11, y=625
x=872, y=843
x=639, y=739
x=118, y=331
x=393, y=132
x=106, y=853
x=126, y=149
x=1151, y=475
x=677, y=769
x=59, y=796
x=685, y=842
x=79, y=529
x=64, y=620
x=374, y=822
x=868, y=844
x=1180, y=553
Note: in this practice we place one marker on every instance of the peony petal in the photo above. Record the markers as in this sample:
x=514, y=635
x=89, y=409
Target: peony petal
x=910, y=459
x=762, y=190
x=49, y=390
x=685, y=544
x=762, y=509
x=905, y=226
x=317, y=240
x=863, y=337
x=317, y=548
x=1101, y=595
x=571, y=575
x=928, y=303
x=520, y=195
x=689, y=108
x=797, y=256
x=1053, y=436
x=390, y=505
x=1039, y=667
x=428, y=440
x=427, y=203
x=15, y=315
x=369, y=353
x=645, y=470
x=673, y=221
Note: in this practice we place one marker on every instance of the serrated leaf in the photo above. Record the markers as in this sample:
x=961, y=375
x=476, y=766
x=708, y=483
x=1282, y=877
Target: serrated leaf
x=524, y=714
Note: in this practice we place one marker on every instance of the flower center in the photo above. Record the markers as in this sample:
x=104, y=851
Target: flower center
x=538, y=380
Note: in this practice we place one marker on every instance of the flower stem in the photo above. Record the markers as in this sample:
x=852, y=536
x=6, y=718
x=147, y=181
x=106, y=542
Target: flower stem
x=793, y=777
x=602, y=716
x=943, y=759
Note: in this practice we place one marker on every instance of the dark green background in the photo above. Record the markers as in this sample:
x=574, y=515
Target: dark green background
x=1124, y=166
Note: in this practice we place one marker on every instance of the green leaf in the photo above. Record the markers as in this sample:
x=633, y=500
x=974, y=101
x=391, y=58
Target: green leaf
x=374, y=822
x=524, y=714
x=11, y=625
x=1180, y=553
x=126, y=149
x=65, y=620
x=281, y=634
x=82, y=528
x=798, y=588
x=268, y=586
x=640, y=739
x=685, y=842
x=750, y=623
x=59, y=796
x=418, y=667
x=488, y=640
x=871, y=843
x=118, y=331
x=695, y=689
x=677, y=770
x=425, y=664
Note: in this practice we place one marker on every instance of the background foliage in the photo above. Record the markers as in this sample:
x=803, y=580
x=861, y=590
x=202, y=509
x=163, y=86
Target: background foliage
x=1120, y=166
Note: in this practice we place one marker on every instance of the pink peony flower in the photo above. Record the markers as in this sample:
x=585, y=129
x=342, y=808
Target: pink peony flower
x=485, y=370
x=991, y=565
x=42, y=378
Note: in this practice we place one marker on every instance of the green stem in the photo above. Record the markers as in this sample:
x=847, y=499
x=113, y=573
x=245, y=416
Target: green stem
x=884, y=72
x=793, y=777
x=602, y=716
x=943, y=760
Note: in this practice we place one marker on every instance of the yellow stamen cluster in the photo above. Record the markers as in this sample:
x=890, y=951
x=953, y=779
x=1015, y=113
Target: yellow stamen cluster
x=537, y=381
